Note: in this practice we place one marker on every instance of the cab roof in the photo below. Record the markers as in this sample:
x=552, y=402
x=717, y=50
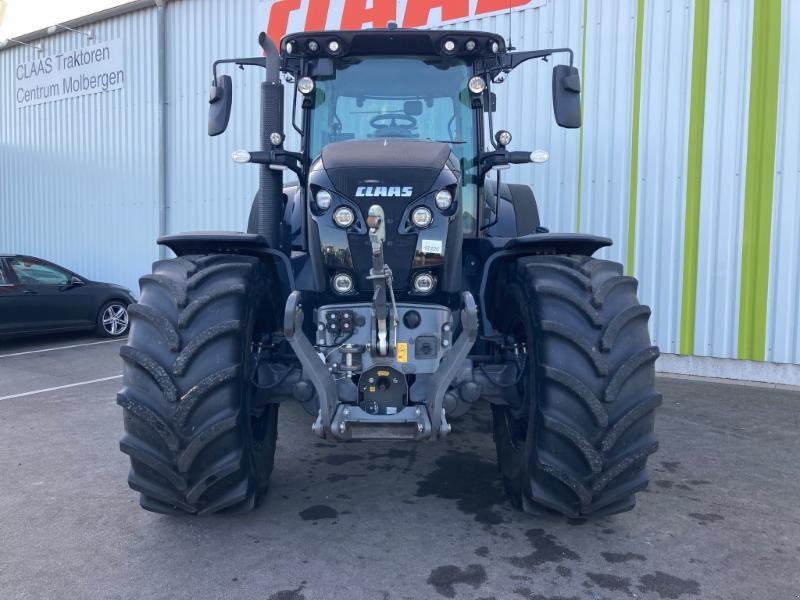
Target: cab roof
x=391, y=41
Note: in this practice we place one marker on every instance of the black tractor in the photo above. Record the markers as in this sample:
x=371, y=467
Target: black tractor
x=391, y=285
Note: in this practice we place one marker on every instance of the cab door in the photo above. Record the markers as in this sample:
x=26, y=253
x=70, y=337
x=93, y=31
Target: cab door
x=12, y=301
x=52, y=299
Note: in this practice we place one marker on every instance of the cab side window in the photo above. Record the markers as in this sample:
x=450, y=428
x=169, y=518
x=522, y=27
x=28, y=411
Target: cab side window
x=32, y=271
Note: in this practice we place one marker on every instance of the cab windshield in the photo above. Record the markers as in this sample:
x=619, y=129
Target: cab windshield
x=424, y=98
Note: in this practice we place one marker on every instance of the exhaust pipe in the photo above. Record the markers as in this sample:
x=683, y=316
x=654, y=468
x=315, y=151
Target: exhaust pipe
x=270, y=199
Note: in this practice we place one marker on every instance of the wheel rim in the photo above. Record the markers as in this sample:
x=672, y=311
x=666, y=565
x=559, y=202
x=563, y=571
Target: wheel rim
x=115, y=319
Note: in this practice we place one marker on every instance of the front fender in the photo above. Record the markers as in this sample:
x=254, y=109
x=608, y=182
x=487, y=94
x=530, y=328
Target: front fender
x=503, y=250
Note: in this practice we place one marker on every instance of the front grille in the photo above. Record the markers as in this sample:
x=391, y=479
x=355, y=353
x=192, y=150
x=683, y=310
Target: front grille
x=398, y=252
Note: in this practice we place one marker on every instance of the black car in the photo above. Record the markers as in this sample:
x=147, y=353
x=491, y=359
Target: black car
x=38, y=296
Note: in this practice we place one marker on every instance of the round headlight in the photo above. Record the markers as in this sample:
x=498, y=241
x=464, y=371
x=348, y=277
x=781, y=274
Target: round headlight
x=305, y=85
x=342, y=283
x=449, y=46
x=289, y=47
x=422, y=217
x=502, y=137
x=495, y=47
x=470, y=45
x=344, y=217
x=424, y=283
x=323, y=199
x=275, y=138
x=477, y=85
x=313, y=45
x=444, y=200
x=333, y=46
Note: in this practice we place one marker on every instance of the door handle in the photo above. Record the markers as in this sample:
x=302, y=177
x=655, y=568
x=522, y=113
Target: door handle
x=28, y=292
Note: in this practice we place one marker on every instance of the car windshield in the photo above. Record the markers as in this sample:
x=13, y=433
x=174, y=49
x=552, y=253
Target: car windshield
x=424, y=98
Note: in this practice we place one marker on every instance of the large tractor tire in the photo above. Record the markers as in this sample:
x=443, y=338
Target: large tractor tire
x=576, y=441
x=196, y=443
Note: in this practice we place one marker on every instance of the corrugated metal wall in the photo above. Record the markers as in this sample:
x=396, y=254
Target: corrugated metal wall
x=79, y=177
x=783, y=317
x=76, y=174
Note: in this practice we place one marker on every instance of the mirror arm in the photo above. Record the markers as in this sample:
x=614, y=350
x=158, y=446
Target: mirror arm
x=258, y=61
x=511, y=60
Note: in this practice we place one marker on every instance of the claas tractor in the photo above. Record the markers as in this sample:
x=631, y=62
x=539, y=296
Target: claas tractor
x=388, y=281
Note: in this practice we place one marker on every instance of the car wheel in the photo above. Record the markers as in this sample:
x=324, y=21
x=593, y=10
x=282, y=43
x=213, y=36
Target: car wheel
x=113, y=320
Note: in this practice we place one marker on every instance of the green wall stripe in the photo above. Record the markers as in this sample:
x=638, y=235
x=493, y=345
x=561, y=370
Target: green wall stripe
x=637, y=96
x=580, y=135
x=759, y=178
x=694, y=169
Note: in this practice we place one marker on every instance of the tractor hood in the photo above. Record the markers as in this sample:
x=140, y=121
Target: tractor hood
x=385, y=167
x=400, y=175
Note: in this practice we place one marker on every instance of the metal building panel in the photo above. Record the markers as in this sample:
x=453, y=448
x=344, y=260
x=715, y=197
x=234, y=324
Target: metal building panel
x=783, y=312
x=205, y=189
x=722, y=188
x=608, y=89
x=79, y=179
x=663, y=133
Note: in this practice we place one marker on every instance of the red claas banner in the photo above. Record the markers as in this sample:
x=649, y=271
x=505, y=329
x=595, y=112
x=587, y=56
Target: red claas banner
x=289, y=16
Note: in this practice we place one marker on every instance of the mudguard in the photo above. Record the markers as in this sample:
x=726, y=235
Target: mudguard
x=228, y=242
x=501, y=250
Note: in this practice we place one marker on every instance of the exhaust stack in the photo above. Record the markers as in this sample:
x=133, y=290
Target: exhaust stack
x=270, y=199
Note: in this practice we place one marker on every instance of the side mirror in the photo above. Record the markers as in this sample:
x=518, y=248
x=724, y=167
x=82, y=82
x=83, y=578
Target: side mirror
x=567, y=96
x=220, y=100
x=75, y=281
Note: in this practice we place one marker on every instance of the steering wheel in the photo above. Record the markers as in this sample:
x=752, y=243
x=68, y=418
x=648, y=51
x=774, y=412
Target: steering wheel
x=405, y=126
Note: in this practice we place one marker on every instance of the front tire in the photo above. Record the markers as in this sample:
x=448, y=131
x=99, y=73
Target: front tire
x=196, y=443
x=577, y=440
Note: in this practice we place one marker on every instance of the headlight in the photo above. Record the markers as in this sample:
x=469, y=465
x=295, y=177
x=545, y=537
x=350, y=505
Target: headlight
x=323, y=199
x=342, y=283
x=444, y=200
x=313, y=46
x=470, y=45
x=334, y=46
x=305, y=85
x=421, y=217
x=477, y=85
x=344, y=217
x=424, y=283
x=494, y=47
x=449, y=46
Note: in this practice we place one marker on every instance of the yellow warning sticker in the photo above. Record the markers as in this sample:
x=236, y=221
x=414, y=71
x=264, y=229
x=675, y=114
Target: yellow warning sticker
x=383, y=373
x=402, y=352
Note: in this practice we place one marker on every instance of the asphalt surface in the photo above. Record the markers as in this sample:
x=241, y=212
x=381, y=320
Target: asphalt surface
x=390, y=521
